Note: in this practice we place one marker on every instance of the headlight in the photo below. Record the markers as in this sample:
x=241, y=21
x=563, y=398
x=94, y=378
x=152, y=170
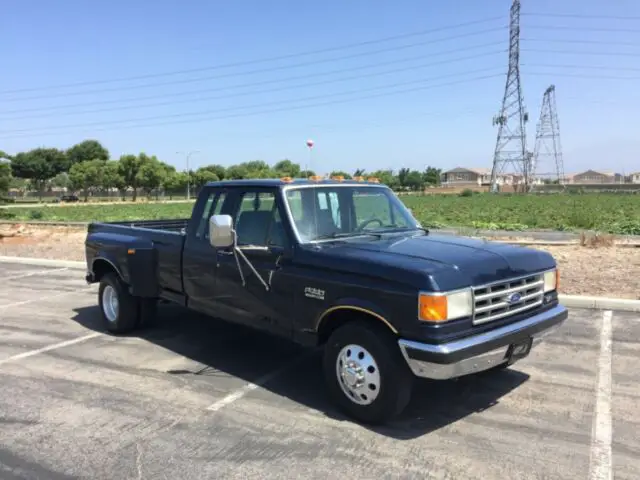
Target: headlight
x=444, y=306
x=551, y=280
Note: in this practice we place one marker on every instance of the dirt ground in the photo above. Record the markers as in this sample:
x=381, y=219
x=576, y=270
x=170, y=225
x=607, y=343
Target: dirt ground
x=603, y=271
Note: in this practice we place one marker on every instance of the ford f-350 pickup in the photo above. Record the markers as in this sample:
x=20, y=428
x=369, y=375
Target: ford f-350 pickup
x=342, y=264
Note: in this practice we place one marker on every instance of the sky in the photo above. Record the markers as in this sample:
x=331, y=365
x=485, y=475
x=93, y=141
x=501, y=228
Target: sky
x=375, y=84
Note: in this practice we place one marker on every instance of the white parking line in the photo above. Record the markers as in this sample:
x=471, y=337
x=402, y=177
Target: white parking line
x=39, y=272
x=600, y=462
x=39, y=299
x=241, y=392
x=55, y=346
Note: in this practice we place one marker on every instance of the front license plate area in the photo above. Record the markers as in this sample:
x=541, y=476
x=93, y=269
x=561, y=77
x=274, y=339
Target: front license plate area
x=519, y=350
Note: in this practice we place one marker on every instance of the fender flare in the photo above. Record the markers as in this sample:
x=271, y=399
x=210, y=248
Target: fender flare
x=358, y=306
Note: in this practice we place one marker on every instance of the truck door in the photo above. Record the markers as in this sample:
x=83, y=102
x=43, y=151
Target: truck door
x=199, y=262
x=264, y=241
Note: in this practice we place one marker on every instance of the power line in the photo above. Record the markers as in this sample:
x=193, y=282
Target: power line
x=261, y=112
x=250, y=72
x=570, y=52
x=594, y=67
x=262, y=91
x=582, y=29
x=265, y=82
x=590, y=42
x=580, y=75
x=575, y=15
x=268, y=59
x=207, y=112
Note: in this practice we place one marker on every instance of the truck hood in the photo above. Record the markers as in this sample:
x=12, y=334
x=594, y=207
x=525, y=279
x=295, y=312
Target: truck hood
x=440, y=262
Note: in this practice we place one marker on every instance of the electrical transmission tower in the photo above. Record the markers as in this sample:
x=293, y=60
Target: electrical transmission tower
x=548, y=140
x=511, y=154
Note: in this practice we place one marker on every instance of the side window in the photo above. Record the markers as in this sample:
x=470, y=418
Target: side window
x=258, y=221
x=212, y=206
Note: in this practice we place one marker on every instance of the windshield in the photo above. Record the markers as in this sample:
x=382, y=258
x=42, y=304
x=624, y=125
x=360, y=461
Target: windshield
x=338, y=211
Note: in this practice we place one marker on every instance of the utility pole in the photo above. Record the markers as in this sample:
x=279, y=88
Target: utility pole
x=548, y=137
x=188, y=155
x=511, y=144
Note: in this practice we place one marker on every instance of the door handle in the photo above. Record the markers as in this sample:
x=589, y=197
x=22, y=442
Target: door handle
x=225, y=252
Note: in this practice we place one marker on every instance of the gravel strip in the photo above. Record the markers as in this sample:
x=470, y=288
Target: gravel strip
x=603, y=271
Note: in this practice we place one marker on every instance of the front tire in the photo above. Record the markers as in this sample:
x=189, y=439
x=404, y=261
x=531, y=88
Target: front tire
x=120, y=310
x=365, y=372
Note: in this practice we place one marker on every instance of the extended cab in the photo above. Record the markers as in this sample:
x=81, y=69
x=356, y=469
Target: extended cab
x=342, y=264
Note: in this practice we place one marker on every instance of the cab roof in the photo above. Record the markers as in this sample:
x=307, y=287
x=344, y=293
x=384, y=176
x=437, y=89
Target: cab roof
x=279, y=182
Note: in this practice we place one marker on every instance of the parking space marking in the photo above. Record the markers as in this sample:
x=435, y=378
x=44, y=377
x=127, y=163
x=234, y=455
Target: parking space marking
x=26, y=302
x=55, y=346
x=39, y=272
x=241, y=392
x=600, y=463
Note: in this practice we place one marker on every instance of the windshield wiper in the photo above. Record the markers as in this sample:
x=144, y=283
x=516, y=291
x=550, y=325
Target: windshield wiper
x=347, y=235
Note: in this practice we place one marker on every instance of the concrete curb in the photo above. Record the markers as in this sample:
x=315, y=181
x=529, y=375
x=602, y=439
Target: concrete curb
x=44, y=262
x=44, y=223
x=600, y=303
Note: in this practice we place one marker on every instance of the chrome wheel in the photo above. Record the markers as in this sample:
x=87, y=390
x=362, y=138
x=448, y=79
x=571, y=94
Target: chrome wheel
x=358, y=374
x=110, y=305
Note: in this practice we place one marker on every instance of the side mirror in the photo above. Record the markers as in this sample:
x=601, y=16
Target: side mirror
x=221, y=233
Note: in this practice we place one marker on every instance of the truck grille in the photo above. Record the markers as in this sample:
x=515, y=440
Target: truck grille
x=500, y=300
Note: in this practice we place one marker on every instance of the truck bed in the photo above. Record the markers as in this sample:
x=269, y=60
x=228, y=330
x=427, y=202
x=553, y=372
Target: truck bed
x=166, y=237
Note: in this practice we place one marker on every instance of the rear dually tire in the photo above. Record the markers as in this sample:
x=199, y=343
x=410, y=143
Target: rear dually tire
x=119, y=309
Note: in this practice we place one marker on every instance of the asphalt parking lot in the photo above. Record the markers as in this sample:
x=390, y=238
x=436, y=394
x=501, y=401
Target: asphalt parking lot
x=197, y=398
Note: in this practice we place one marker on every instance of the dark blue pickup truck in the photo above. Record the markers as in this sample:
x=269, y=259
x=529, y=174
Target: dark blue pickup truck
x=342, y=264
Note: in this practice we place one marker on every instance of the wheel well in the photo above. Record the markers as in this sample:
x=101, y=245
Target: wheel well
x=340, y=316
x=101, y=267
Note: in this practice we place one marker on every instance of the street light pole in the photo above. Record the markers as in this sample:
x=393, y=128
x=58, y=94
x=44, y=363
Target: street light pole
x=188, y=172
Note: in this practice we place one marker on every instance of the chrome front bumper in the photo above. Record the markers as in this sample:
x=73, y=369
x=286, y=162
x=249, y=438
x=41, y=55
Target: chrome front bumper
x=479, y=352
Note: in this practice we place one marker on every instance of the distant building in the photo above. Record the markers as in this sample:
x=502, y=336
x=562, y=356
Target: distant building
x=461, y=176
x=634, y=177
x=597, y=177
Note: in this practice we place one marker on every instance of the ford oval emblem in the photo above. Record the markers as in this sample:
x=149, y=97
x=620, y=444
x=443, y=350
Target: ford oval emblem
x=514, y=298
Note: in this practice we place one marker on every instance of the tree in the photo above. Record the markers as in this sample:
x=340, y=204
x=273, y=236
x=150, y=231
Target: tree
x=151, y=174
x=39, y=166
x=61, y=181
x=386, y=177
x=414, y=180
x=86, y=176
x=128, y=168
x=286, y=168
x=403, y=175
x=307, y=173
x=5, y=177
x=87, y=151
x=236, y=172
x=431, y=176
x=359, y=172
x=202, y=177
x=175, y=182
x=219, y=170
x=112, y=178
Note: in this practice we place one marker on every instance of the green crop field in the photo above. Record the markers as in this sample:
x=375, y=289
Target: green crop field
x=613, y=213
